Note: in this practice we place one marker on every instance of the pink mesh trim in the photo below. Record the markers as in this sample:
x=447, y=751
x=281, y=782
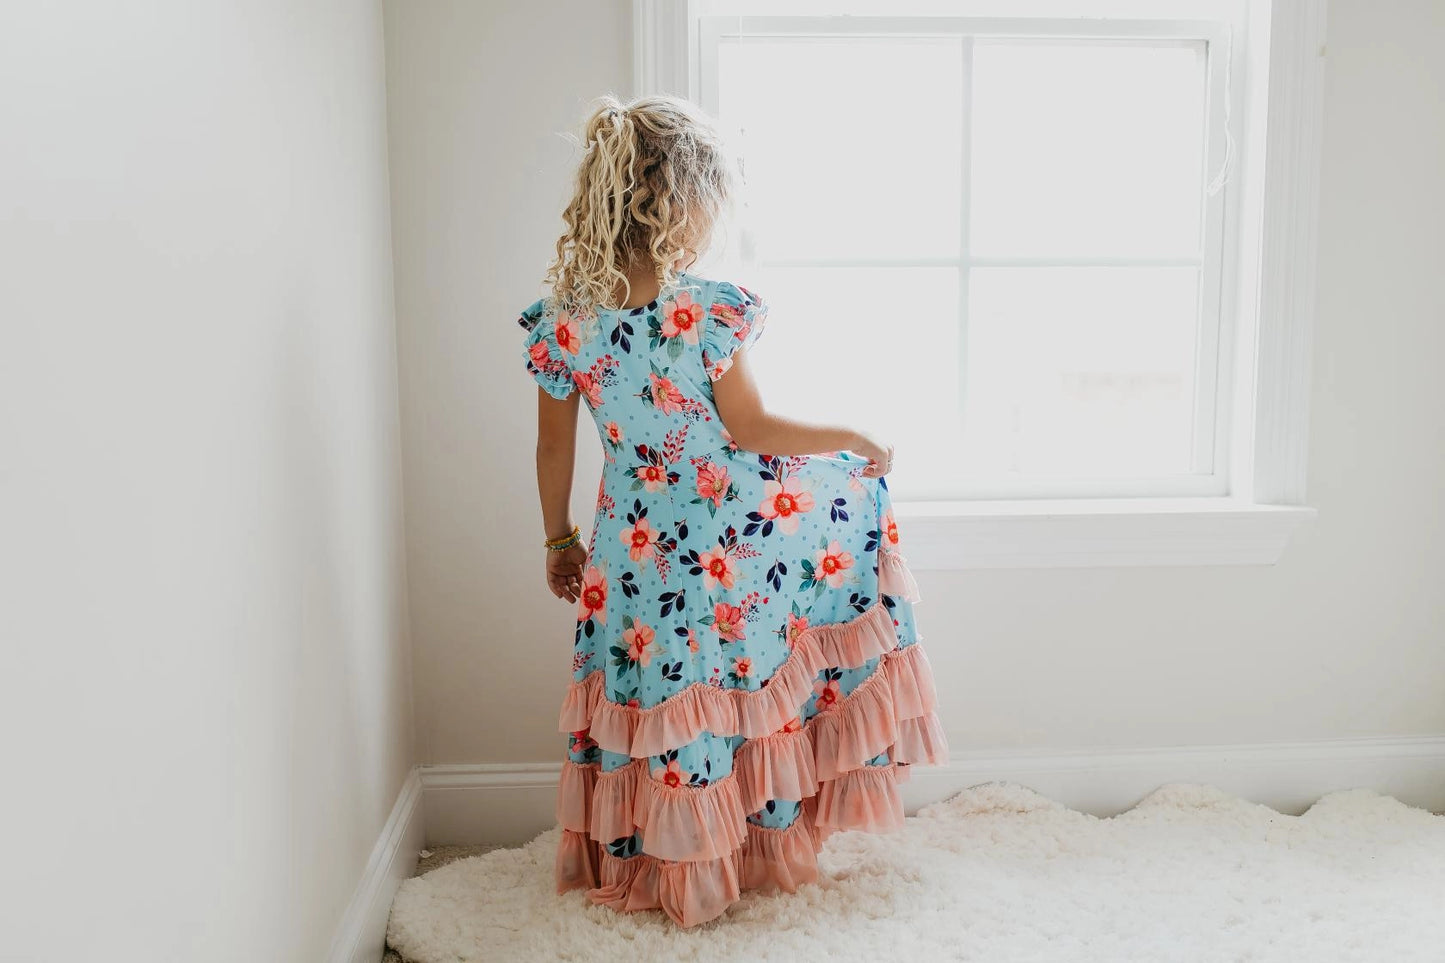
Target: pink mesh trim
x=894, y=578
x=910, y=677
x=677, y=822
x=683, y=823
x=698, y=848
x=866, y=799
x=677, y=720
x=628, y=885
x=690, y=823
x=921, y=741
x=693, y=893
x=779, y=766
x=613, y=800
x=575, y=793
x=696, y=892
x=781, y=858
x=860, y=727
x=577, y=861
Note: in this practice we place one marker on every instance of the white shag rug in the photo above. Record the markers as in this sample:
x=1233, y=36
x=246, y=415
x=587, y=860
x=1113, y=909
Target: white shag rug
x=1000, y=873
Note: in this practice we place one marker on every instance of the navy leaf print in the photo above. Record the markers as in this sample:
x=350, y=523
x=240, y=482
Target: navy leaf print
x=775, y=575
x=670, y=601
x=623, y=846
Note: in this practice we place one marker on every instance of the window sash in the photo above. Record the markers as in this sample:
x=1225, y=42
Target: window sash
x=1214, y=321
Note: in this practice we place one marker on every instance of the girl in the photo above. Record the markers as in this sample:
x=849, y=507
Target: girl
x=747, y=676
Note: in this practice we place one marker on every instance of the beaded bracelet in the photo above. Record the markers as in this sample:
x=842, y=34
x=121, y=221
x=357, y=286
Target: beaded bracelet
x=565, y=541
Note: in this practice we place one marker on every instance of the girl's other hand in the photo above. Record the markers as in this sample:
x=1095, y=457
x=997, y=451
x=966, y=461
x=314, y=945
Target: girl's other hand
x=564, y=572
x=878, y=453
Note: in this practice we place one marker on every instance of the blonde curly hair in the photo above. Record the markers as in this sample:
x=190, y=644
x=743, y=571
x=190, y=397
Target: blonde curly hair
x=654, y=179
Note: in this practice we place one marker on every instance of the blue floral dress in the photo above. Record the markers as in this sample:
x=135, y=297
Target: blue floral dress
x=747, y=676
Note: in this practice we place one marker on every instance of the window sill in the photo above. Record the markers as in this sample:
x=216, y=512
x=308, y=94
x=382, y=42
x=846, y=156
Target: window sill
x=1094, y=532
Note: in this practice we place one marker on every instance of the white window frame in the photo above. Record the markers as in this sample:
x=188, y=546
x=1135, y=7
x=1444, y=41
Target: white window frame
x=1248, y=513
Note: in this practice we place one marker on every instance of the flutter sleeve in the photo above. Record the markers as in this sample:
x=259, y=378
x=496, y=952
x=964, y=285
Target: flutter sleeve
x=545, y=360
x=734, y=320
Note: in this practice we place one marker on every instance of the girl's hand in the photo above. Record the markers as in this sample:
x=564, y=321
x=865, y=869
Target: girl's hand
x=879, y=455
x=564, y=572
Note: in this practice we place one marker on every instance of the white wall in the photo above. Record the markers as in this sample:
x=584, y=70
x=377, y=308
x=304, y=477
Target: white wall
x=204, y=696
x=479, y=96
x=1341, y=639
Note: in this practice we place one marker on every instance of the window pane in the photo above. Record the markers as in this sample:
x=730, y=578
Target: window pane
x=877, y=348
x=1087, y=149
x=853, y=147
x=1080, y=372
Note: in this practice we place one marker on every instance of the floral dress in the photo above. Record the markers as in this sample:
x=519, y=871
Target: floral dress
x=747, y=676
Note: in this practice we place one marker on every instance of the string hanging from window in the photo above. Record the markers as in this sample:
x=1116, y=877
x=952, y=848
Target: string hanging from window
x=1226, y=166
x=747, y=247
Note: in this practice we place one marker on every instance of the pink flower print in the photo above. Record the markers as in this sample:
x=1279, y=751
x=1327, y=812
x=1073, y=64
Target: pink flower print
x=666, y=396
x=653, y=477
x=742, y=667
x=568, y=333
x=673, y=775
x=713, y=482
x=784, y=501
x=825, y=694
x=614, y=433
x=728, y=622
x=727, y=437
x=682, y=318
x=831, y=563
x=584, y=740
x=639, y=642
x=730, y=315
x=592, y=604
x=640, y=540
x=890, y=528
x=796, y=625
x=692, y=640
x=718, y=568
x=539, y=354
x=792, y=725
x=590, y=387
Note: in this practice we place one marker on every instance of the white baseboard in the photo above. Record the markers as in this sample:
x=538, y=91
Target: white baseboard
x=361, y=937
x=512, y=803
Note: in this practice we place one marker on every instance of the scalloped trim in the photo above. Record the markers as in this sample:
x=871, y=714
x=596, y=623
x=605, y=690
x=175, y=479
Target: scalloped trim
x=892, y=711
x=751, y=713
x=696, y=892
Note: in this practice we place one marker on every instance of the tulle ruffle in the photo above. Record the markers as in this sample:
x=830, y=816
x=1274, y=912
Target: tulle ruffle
x=679, y=719
x=894, y=578
x=893, y=711
x=692, y=892
x=698, y=848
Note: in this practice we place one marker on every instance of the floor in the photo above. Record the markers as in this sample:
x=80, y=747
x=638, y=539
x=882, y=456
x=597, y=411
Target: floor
x=1000, y=873
x=435, y=858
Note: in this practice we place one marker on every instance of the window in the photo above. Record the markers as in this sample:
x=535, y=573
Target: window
x=1036, y=237
x=1005, y=227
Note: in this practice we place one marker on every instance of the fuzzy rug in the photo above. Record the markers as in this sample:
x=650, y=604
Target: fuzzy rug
x=1000, y=873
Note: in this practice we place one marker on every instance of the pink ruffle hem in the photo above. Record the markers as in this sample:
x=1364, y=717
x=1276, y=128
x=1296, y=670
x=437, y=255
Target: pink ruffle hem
x=698, y=849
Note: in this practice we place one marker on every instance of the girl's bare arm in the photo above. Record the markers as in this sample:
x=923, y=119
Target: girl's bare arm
x=753, y=427
x=556, y=454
